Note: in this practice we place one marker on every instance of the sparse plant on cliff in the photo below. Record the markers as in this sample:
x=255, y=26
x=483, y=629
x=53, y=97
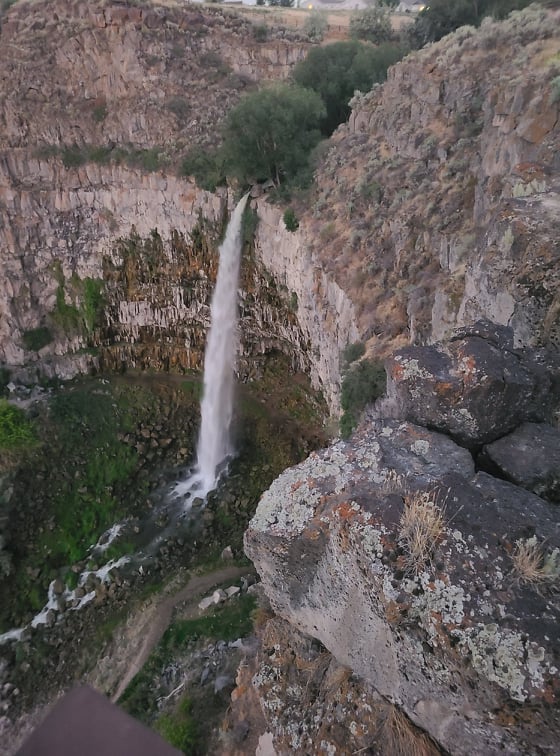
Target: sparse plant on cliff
x=353, y=352
x=401, y=738
x=531, y=565
x=362, y=384
x=290, y=220
x=420, y=527
x=36, y=338
x=555, y=90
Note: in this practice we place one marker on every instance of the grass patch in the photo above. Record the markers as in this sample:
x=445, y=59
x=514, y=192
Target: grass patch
x=228, y=622
x=420, y=528
x=180, y=729
x=15, y=429
x=532, y=566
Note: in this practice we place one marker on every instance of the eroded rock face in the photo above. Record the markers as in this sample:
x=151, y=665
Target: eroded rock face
x=439, y=199
x=469, y=388
x=449, y=623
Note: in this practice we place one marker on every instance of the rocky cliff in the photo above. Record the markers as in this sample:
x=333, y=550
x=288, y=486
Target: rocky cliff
x=438, y=202
x=108, y=256
x=430, y=579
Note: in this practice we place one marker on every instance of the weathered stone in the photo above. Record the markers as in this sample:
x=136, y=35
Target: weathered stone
x=468, y=388
x=326, y=543
x=529, y=457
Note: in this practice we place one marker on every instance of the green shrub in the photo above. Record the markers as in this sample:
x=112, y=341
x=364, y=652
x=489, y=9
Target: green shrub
x=92, y=304
x=205, y=167
x=353, y=352
x=36, y=338
x=372, y=24
x=260, y=32
x=315, y=26
x=290, y=220
x=180, y=729
x=15, y=430
x=555, y=90
x=362, y=384
x=179, y=107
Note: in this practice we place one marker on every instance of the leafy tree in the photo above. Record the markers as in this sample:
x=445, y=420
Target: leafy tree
x=372, y=24
x=336, y=71
x=270, y=134
x=281, y=3
x=442, y=17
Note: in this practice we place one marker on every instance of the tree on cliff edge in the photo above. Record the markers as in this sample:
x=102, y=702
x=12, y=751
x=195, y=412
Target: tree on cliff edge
x=270, y=134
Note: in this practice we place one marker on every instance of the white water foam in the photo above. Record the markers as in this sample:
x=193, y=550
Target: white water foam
x=214, y=442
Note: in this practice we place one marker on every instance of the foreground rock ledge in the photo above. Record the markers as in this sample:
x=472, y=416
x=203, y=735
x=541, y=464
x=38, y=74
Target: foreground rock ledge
x=462, y=645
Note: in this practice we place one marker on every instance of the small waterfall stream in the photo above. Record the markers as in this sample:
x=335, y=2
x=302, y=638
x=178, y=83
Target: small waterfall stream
x=214, y=442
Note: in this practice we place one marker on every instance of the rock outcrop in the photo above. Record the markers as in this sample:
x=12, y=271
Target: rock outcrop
x=433, y=582
x=437, y=203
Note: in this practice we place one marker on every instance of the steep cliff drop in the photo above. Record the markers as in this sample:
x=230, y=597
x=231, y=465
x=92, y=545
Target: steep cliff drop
x=214, y=443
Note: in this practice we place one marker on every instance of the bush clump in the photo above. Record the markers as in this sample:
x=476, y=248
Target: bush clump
x=290, y=220
x=363, y=384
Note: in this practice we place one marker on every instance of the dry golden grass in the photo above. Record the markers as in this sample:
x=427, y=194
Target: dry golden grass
x=531, y=565
x=401, y=738
x=420, y=527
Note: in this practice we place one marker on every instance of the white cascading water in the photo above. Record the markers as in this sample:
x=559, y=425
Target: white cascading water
x=214, y=442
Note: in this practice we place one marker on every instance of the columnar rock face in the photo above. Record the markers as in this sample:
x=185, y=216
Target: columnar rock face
x=434, y=583
x=91, y=141
x=325, y=313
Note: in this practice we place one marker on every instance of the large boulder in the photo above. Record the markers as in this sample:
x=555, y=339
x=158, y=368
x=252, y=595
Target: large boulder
x=463, y=641
x=529, y=457
x=474, y=387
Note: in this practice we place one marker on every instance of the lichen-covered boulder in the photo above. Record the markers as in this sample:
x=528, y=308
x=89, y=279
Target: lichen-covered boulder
x=472, y=388
x=529, y=457
x=463, y=642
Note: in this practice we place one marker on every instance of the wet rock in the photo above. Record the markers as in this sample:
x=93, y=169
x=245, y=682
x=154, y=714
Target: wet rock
x=58, y=587
x=529, y=457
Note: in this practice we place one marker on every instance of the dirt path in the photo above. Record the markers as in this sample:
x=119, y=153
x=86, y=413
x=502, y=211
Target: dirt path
x=160, y=615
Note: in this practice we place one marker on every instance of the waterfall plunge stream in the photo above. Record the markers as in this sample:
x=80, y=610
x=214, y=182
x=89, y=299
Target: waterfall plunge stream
x=214, y=443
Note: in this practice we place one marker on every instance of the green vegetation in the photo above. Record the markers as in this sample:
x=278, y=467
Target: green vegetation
x=37, y=338
x=83, y=317
x=290, y=220
x=372, y=24
x=316, y=24
x=441, y=17
x=180, y=729
x=353, y=352
x=74, y=156
x=207, y=168
x=336, y=71
x=363, y=383
x=555, y=90
x=15, y=430
x=227, y=622
x=260, y=32
x=270, y=134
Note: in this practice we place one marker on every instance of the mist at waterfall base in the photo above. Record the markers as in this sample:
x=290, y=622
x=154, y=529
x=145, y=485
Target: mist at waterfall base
x=214, y=446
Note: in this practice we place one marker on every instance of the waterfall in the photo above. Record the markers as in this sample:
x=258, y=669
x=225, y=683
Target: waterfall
x=214, y=442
